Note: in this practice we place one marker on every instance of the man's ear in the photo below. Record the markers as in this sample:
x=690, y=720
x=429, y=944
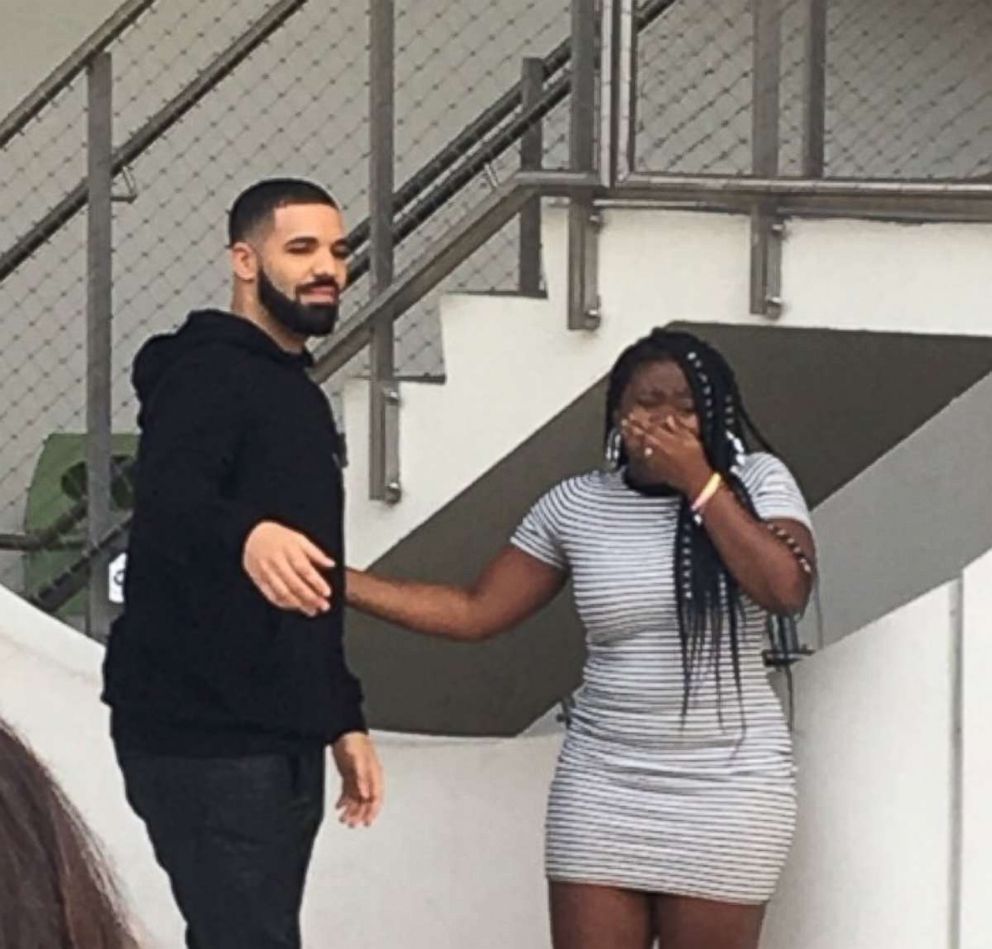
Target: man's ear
x=244, y=262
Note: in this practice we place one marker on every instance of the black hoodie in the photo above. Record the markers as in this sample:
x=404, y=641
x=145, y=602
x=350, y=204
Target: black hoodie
x=233, y=432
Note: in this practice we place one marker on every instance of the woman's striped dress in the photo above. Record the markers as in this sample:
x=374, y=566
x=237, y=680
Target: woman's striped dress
x=643, y=798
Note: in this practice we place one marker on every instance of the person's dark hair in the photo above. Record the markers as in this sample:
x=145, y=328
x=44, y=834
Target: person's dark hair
x=55, y=892
x=255, y=206
x=708, y=596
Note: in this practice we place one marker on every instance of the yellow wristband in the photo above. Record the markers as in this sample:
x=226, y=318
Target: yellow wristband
x=712, y=486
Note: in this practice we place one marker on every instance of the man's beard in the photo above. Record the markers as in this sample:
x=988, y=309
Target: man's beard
x=304, y=319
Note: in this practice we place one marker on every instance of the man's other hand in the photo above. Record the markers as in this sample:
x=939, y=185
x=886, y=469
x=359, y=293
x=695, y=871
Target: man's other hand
x=361, y=779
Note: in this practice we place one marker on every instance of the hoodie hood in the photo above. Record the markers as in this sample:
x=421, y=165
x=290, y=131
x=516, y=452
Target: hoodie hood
x=206, y=327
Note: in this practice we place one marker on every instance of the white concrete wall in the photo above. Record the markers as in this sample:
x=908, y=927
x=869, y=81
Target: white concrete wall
x=456, y=857
x=976, y=877
x=877, y=714
x=869, y=868
x=455, y=860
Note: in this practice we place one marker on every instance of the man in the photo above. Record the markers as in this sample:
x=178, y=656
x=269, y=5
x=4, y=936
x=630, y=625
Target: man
x=225, y=673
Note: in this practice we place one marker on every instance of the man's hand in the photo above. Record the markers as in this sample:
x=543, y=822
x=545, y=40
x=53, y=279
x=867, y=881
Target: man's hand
x=361, y=779
x=285, y=566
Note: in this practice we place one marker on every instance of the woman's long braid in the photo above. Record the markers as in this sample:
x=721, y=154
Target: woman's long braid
x=707, y=595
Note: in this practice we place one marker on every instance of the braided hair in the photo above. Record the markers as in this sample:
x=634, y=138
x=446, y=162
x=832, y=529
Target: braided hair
x=708, y=597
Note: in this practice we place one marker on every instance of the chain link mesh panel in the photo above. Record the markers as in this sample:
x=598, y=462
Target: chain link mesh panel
x=909, y=89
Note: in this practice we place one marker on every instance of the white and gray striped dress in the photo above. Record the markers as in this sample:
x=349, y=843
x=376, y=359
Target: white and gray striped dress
x=643, y=798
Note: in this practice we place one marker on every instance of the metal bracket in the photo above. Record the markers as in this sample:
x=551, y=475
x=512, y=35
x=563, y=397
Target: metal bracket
x=584, y=224
x=491, y=177
x=391, y=418
x=130, y=194
x=767, y=235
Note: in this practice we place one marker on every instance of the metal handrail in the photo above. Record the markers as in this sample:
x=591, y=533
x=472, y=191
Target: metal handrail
x=106, y=33
x=884, y=199
x=489, y=120
x=153, y=129
x=435, y=199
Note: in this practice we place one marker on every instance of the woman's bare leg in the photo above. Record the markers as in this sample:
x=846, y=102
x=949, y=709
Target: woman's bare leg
x=584, y=916
x=683, y=922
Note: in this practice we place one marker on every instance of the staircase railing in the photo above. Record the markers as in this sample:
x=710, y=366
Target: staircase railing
x=431, y=188
x=765, y=198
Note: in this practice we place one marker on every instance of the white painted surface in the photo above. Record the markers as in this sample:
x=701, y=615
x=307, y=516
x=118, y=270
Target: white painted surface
x=459, y=842
x=869, y=868
x=460, y=839
x=976, y=916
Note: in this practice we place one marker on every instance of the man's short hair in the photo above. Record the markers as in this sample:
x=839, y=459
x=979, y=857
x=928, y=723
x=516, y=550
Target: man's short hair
x=255, y=206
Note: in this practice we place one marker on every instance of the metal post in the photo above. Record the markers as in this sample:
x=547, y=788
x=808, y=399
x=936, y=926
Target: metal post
x=531, y=157
x=384, y=475
x=618, y=91
x=767, y=228
x=99, y=251
x=630, y=41
x=765, y=87
x=583, y=297
x=815, y=89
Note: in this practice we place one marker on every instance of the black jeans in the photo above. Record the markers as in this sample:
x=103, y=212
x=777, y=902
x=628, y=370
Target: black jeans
x=235, y=837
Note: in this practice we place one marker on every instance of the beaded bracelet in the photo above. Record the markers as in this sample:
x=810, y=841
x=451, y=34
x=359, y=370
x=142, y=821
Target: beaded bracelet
x=794, y=548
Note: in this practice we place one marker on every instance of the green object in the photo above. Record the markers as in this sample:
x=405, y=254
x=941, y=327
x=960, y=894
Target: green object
x=57, y=485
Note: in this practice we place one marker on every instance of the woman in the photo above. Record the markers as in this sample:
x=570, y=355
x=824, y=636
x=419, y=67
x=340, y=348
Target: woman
x=673, y=804
x=54, y=891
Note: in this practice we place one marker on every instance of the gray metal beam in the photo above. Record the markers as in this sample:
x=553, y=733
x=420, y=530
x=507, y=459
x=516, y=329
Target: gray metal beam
x=765, y=77
x=815, y=89
x=384, y=462
x=531, y=158
x=582, y=123
x=878, y=199
x=619, y=92
x=583, y=295
x=766, y=229
x=99, y=253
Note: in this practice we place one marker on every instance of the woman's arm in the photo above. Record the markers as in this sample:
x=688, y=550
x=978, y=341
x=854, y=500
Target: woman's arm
x=768, y=572
x=512, y=587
